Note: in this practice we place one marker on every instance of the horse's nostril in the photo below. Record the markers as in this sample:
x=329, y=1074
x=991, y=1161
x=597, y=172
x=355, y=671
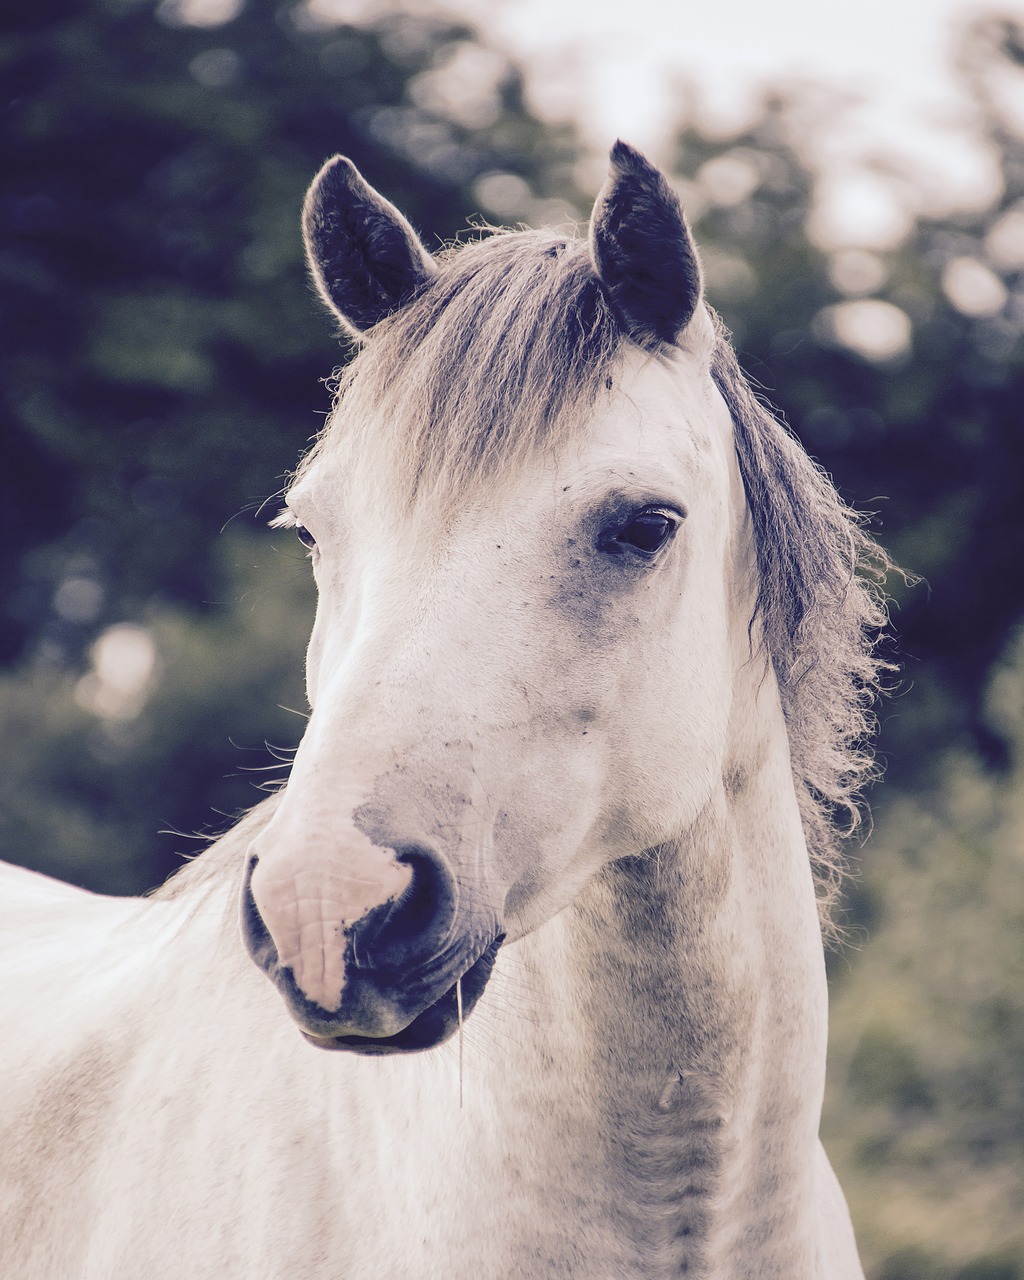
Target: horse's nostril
x=417, y=924
x=255, y=934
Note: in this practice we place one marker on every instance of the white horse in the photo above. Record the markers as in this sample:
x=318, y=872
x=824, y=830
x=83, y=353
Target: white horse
x=589, y=680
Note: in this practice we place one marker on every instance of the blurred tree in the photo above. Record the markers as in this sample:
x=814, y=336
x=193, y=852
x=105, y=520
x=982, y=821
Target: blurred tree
x=925, y=1115
x=108, y=774
x=161, y=350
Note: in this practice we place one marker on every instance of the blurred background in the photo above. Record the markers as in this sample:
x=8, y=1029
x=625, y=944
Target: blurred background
x=857, y=185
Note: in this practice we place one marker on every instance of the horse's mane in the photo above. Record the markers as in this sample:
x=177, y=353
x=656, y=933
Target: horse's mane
x=821, y=604
x=503, y=353
x=509, y=346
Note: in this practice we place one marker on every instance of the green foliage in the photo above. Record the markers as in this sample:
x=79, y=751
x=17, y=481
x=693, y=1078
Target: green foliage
x=913, y=1263
x=926, y=1108
x=113, y=801
x=162, y=352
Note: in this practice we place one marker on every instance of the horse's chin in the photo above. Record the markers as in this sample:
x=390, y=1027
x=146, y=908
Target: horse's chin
x=437, y=1023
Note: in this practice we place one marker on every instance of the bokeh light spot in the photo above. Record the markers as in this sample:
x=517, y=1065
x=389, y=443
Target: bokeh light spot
x=123, y=664
x=856, y=271
x=198, y=13
x=876, y=330
x=974, y=289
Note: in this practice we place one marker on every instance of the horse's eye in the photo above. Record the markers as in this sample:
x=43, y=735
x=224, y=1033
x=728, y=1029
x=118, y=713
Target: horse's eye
x=304, y=536
x=646, y=533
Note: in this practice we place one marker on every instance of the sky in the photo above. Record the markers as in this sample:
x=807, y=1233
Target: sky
x=621, y=67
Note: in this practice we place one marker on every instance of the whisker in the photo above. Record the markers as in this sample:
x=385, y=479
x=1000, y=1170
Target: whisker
x=458, y=1004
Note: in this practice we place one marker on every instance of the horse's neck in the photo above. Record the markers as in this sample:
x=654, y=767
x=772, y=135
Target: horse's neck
x=694, y=1023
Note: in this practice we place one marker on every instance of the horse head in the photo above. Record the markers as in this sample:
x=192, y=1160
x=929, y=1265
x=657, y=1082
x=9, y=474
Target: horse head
x=528, y=532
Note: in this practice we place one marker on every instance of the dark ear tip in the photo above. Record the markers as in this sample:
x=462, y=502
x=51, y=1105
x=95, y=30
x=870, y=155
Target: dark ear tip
x=626, y=159
x=337, y=172
x=337, y=181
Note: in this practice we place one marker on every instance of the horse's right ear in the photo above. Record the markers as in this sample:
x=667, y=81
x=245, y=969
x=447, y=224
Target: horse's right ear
x=643, y=252
x=365, y=258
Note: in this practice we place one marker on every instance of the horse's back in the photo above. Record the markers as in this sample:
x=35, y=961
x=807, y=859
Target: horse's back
x=23, y=889
x=50, y=934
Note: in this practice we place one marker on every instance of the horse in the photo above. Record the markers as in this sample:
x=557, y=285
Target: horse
x=521, y=973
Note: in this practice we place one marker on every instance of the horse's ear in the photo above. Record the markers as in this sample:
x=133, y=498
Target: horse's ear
x=365, y=258
x=643, y=252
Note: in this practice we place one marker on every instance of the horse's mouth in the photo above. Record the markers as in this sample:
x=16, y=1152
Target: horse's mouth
x=431, y=1027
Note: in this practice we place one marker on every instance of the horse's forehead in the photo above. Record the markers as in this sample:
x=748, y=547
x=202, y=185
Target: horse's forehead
x=660, y=417
x=664, y=413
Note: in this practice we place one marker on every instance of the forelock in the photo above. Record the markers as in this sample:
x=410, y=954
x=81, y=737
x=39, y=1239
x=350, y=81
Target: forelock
x=500, y=356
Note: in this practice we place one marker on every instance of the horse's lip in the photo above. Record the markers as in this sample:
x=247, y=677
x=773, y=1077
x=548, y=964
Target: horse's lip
x=430, y=1027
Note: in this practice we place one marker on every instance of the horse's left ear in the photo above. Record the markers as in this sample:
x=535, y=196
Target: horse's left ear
x=643, y=252
x=365, y=258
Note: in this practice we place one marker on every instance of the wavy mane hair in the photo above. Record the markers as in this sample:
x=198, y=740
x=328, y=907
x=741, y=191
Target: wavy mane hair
x=502, y=355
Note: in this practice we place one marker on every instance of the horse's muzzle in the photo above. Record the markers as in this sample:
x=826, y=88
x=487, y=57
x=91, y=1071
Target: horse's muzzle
x=408, y=965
